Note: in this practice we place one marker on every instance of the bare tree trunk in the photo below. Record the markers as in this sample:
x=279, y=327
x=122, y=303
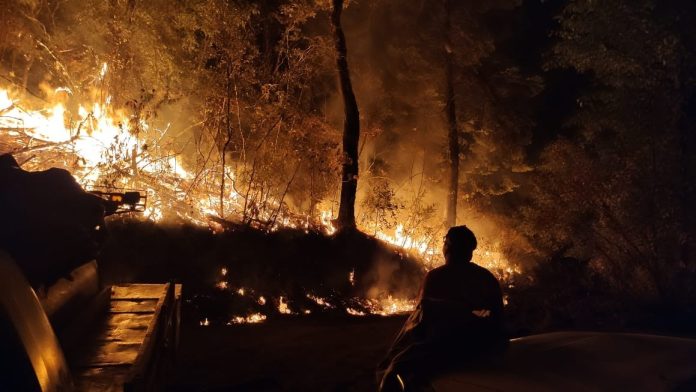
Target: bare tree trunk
x=228, y=139
x=452, y=134
x=351, y=125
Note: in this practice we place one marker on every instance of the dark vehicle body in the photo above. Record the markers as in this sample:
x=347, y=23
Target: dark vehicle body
x=583, y=361
x=60, y=327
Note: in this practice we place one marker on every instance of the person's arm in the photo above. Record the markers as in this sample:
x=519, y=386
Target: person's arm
x=427, y=286
x=497, y=311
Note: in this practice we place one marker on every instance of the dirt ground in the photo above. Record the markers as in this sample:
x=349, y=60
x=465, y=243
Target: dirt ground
x=293, y=354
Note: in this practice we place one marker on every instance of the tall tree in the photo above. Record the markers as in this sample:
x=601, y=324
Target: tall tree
x=460, y=86
x=620, y=170
x=452, y=129
x=351, y=124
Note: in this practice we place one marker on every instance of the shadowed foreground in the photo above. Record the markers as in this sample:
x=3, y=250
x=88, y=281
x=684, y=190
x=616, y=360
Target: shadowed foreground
x=297, y=354
x=576, y=361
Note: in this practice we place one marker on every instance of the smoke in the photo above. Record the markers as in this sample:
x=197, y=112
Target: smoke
x=398, y=75
x=399, y=83
x=387, y=277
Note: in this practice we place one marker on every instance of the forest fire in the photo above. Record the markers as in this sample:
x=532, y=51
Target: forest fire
x=295, y=183
x=103, y=147
x=94, y=143
x=113, y=148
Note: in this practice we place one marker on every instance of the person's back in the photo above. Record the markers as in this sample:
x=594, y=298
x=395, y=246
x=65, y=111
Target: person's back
x=462, y=307
x=459, y=318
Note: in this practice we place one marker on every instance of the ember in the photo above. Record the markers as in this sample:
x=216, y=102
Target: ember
x=320, y=301
x=250, y=319
x=390, y=306
x=283, y=306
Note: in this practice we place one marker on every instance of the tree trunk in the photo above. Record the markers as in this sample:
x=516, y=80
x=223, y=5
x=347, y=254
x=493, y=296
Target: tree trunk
x=351, y=125
x=228, y=140
x=452, y=134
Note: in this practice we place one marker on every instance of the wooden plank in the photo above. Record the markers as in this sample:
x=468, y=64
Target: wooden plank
x=131, y=333
x=139, y=375
x=121, y=340
x=148, y=341
x=133, y=306
x=130, y=321
x=112, y=354
x=102, y=379
x=139, y=291
x=133, y=338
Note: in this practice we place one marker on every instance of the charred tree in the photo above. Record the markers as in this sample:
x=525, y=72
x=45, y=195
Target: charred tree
x=351, y=125
x=452, y=132
x=226, y=144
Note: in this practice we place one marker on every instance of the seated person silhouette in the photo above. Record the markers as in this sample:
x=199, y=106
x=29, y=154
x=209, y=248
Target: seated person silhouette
x=458, y=320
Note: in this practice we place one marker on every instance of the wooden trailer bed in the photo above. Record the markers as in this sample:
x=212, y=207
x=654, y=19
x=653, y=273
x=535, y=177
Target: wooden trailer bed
x=81, y=336
x=134, y=344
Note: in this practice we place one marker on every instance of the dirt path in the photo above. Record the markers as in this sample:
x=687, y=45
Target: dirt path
x=300, y=354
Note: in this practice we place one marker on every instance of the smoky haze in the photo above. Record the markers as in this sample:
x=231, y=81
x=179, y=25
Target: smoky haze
x=205, y=85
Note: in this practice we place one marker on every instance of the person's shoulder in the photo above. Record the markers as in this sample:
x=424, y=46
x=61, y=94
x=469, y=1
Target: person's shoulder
x=438, y=274
x=437, y=271
x=483, y=272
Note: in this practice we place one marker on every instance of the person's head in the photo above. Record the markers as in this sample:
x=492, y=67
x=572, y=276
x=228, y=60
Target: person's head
x=459, y=245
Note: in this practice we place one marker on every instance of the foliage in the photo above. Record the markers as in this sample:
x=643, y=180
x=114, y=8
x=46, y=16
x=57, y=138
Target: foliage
x=237, y=81
x=619, y=183
x=380, y=206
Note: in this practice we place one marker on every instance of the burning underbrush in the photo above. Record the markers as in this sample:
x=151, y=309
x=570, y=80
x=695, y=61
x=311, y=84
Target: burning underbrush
x=280, y=257
x=245, y=275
